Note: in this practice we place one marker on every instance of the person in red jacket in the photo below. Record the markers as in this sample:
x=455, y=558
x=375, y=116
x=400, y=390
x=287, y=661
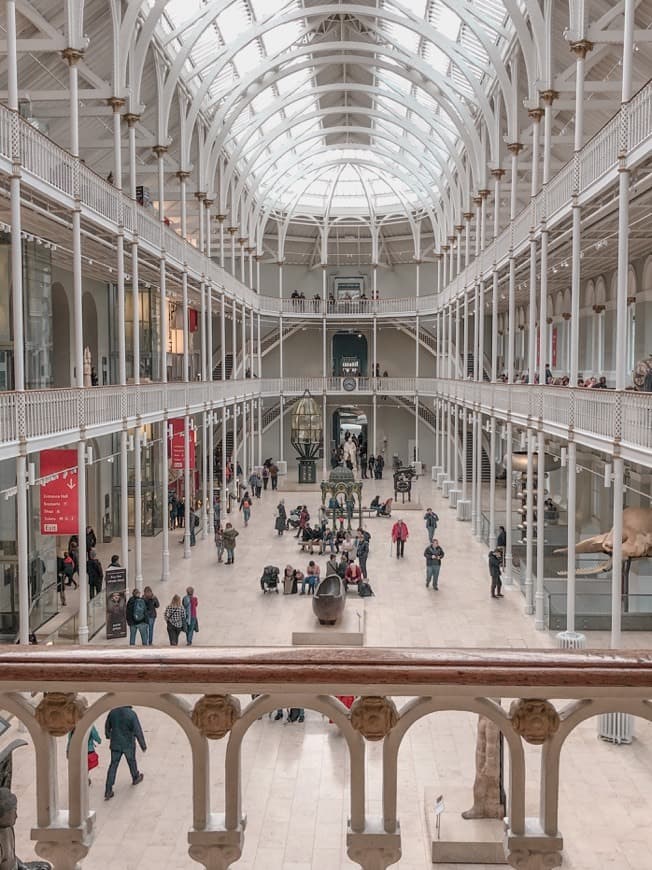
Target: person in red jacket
x=400, y=535
x=353, y=573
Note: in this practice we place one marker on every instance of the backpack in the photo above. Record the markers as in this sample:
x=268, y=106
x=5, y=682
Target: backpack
x=245, y=504
x=140, y=610
x=365, y=590
x=196, y=520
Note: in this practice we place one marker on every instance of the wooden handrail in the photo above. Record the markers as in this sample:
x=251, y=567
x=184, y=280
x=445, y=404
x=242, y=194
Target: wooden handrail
x=400, y=671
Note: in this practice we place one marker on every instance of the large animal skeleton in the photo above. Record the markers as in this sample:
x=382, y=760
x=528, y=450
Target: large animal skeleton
x=637, y=541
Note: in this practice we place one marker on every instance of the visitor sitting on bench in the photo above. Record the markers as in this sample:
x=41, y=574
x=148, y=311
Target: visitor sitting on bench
x=311, y=579
x=385, y=510
x=375, y=503
x=353, y=574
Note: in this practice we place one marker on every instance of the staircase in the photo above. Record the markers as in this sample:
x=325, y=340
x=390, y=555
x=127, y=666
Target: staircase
x=486, y=467
x=470, y=368
x=228, y=366
x=271, y=414
x=425, y=414
x=426, y=339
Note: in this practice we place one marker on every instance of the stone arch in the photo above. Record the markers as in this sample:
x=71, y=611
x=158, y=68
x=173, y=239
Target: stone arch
x=646, y=283
x=420, y=707
x=571, y=716
x=176, y=708
x=588, y=294
x=600, y=291
x=61, y=371
x=325, y=704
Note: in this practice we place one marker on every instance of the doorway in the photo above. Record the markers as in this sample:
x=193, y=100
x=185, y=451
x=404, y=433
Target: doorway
x=351, y=420
x=349, y=354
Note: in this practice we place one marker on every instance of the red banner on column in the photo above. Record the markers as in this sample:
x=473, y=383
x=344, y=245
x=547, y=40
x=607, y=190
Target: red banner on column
x=177, y=450
x=59, y=513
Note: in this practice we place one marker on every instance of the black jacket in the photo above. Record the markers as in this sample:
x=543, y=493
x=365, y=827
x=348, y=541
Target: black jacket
x=494, y=565
x=94, y=571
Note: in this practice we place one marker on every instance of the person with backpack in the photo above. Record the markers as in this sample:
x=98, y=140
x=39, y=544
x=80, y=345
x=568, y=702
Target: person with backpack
x=433, y=555
x=229, y=535
x=431, y=519
x=123, y=729
x=69, y=569
x=245, y=507
x=273, y=475
x=363, y=554
x=175, y=620
x=137, y=618
x=152, y=604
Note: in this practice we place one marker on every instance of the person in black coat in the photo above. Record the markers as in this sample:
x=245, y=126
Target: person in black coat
x=95, y=574
x=123, y=729
x=494, y=570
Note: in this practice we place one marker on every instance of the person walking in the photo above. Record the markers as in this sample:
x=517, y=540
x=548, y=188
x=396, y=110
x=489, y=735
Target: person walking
x=152, y=604
x=494, y=570
x=230, y=534
x=92, y=757
x=123, y=730
x=304, y=519
x=371, y=464
x=400, y=534
x=245, y=507
x=193, y=524
x=433, y=555
x=258, y=484
x=363, y=554
x=273, y=475
x=91, y=541
x=175, y=620
x=69, y=569
x=219, y=543
x=190, y=603
x=431, y=519
x=281, y=521
x=137, y=618
x=217, y=513
x=95, y=574
x=265, y=476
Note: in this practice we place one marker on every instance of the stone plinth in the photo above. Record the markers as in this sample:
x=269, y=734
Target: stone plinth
x=463, y=841
x=348, y=631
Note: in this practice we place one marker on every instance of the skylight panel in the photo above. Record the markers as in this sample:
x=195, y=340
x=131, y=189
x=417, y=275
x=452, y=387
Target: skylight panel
x=248, y=58
x=281, y=37
x=294, y=81
x=402, y=36
x=233, y=20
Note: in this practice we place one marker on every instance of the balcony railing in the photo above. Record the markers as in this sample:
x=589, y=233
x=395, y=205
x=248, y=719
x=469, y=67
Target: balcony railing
x=596, y=418
x=583, y=684
x=48, y=165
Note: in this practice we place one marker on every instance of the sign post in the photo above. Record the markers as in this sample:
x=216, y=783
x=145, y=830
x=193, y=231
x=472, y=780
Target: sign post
x=58, y=492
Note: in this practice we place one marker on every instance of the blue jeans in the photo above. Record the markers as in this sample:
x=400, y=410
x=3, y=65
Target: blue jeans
x=432, y=573
x=311, y=582
x=143, y=629
x=246, y=513
x=116, y=755
x=150, y=629
x=190, y=631
x=431, y=532
x=230, y=555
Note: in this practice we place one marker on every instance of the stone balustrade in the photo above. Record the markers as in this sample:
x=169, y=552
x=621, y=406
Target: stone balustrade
x=46, y=691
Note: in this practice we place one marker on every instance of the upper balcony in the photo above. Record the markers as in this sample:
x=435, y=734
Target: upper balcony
x=606, y=420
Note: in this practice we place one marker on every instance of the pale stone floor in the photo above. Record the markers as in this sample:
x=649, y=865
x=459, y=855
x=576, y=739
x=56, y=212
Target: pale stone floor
x=296, y=775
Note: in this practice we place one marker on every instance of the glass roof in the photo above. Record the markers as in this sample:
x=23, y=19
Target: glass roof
x=316, y=132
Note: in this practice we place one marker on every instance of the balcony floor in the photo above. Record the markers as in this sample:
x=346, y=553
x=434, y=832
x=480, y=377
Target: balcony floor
x=295, y=775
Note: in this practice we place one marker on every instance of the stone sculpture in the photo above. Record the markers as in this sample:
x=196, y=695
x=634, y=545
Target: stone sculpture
x=642, y=374
x=637, y=541
x=374, y=716
x=487, y=792
x=329, y=599
x=215, y=715
x=8, y=816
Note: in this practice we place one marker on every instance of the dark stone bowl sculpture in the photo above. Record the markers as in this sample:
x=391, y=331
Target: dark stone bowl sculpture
x=329, y=600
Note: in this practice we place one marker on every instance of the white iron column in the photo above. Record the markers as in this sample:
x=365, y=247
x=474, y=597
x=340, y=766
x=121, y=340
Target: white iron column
x=529, y=525
x=514, y=149
x=539, y=598
x=17, y=323
x=548, y=98
x=580, y=50
x=73, y=57
x=507, y=576
x=497, y=176
x=571, y=474
x=492, y=483
x=617, y=554
x=535, y=115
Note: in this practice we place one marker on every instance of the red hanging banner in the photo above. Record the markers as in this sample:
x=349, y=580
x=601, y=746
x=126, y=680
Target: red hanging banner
x=59, y=509
x=177, y=450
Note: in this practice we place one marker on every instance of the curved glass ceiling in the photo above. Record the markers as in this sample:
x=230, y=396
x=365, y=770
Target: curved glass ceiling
x=328, y=108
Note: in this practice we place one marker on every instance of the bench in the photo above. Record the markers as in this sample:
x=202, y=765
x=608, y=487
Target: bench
x=309, y=546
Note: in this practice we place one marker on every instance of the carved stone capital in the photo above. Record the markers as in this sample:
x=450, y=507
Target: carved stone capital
x=374, y=716
x=549, y=96
x=477, y=200
x=216, y=848
x=249, y=249
x=59, y=712
x=183, y=174
x=72, y=55
x=581, y=48
x=208, y=202
x=159, y=150
x=232, y=230
x=131, y=119
x=535, y=114
x=631, y=300
x=220, y=217
x=215, y=857
x=116, y=103
x=259, y=257
x=445, y=248
x=242, y=240
x=497, y=173
x=63, y=856
x=535, y=720
x=459, y=228
x=566, y=315
x=468, y=216
x=599, y=308
x=215, y=715
x=484, y=193
x=549, y=321
x=515, y=148
x=200, y=195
